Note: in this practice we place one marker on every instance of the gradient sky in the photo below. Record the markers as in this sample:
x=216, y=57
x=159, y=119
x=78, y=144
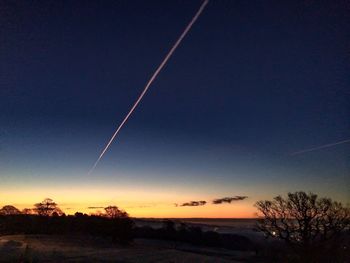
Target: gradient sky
x=252, y=82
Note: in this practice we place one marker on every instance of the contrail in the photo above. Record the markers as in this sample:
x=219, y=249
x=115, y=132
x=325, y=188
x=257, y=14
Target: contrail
x=320, y=147
x=154, y=76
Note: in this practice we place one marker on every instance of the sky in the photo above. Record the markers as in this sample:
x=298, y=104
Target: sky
x=252, y=83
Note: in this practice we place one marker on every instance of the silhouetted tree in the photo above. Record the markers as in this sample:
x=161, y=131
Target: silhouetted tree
x=115, y=212
x=47, y=208
x=79, y=214
x=303, y=220
x=98, y=213
x=9, y=210
x=58, y=212
x=27, y=211
x=50, y=220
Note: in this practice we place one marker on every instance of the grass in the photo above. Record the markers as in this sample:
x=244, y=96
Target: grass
x=44, y=248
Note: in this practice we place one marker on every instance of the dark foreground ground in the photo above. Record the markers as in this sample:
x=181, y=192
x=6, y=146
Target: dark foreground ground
x=44, y=248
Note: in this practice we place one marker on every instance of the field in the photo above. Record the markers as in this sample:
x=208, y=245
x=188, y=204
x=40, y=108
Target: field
x=43, y=248
x=240, y=226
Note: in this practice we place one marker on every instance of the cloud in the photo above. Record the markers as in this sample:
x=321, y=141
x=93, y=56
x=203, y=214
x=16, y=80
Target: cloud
x=95, y=207
x=194, y=203
x=229, y=199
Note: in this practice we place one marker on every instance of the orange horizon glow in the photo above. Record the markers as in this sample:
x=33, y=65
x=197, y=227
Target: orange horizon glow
x=71, y=201
x=208, y=211
x=138, y=202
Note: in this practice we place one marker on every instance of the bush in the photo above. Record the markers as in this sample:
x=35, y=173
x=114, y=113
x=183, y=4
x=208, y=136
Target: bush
x=118, y=229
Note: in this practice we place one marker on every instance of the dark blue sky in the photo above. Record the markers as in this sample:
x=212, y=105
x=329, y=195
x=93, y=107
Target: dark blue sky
x=252, y=82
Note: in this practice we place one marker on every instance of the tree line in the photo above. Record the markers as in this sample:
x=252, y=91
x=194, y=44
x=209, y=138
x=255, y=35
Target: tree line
x=47, y=218
x=49, y=208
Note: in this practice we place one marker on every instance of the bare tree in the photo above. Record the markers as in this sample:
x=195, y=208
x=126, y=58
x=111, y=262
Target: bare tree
x=115, y=212
x=9, y=210
x=47, y=208
x=302, y=219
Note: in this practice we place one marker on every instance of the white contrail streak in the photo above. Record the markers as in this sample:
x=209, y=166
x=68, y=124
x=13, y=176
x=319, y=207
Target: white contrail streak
x=320, y=147
x=154, y=76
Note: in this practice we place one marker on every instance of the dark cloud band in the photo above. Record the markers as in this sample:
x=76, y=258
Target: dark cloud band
x=229, y=199
x=194, y=203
